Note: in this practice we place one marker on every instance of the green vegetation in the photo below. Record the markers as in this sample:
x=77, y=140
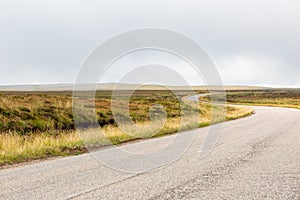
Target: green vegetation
x=28, y=113
x=276, y=97
x=38, y=112
x=41, y=124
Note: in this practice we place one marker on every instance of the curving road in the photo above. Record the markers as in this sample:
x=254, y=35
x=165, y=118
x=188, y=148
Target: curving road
x=257, y=157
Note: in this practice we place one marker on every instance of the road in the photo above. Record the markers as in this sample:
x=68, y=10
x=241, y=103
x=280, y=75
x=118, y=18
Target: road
x=257, y=157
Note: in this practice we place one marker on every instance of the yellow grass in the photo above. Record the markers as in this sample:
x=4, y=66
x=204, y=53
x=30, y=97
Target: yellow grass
x=16, y=148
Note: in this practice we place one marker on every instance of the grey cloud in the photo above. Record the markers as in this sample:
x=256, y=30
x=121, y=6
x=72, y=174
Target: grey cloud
x=46, y=41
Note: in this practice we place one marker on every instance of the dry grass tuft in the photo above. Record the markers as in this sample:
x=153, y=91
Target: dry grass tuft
x=16, y=148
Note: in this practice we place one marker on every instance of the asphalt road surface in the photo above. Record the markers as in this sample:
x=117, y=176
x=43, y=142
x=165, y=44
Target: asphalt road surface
x=257, y=157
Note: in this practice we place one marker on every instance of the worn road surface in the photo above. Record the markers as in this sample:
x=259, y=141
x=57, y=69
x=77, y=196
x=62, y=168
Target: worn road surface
x=257, y=157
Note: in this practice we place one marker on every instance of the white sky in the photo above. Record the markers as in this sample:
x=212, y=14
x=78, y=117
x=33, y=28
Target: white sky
x=252, y=42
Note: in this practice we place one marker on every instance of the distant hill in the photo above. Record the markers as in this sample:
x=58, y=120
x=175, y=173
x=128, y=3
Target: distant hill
x=112, y=86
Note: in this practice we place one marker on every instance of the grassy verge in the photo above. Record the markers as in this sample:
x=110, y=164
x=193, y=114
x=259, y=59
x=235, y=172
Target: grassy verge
x=22, y=138
x=15, y=148
x=287, y=98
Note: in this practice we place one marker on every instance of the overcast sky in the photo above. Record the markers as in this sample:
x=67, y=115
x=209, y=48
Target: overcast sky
x=255, y=42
